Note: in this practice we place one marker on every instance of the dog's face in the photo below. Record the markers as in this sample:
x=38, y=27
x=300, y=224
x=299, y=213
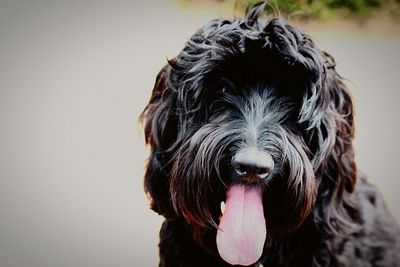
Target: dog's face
x=253, y=116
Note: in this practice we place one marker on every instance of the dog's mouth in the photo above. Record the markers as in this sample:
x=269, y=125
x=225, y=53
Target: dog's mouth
x=242, y=228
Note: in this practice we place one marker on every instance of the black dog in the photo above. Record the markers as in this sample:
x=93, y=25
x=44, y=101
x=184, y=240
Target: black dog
x=254, y=115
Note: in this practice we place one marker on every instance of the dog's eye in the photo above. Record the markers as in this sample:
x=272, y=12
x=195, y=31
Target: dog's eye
x=227, y=90
x=227, y=86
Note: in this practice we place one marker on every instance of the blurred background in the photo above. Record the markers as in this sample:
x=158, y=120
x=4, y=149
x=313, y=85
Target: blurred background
x=75, y=75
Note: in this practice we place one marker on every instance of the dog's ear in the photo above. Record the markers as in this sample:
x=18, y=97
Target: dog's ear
x=327, y=111
x=160, y=129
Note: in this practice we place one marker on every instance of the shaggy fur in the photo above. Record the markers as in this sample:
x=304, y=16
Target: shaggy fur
x=245, y=83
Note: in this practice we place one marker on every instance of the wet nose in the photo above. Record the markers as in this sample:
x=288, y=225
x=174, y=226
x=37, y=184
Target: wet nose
x=252, y=165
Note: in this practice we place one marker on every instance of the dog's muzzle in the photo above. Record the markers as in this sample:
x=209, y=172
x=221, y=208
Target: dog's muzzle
x=242, y=229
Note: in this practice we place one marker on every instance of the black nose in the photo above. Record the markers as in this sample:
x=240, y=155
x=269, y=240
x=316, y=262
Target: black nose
x=252, y=165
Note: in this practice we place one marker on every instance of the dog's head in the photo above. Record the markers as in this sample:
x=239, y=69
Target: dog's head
x=254, y=115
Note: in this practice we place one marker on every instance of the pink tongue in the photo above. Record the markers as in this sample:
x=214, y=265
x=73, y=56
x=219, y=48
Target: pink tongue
x=242, y=233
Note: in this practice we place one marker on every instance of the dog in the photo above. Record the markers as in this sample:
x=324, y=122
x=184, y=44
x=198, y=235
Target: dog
x=252, y=164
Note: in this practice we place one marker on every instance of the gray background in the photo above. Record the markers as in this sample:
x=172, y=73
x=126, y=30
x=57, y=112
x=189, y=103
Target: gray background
x=74, y=75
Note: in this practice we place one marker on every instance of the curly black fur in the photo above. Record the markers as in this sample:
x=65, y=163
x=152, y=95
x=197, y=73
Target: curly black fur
x=241, y=83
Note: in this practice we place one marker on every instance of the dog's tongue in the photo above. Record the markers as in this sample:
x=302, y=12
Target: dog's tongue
x=242, y=233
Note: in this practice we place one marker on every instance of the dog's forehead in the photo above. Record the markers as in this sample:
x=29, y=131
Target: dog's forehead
x=239, y=53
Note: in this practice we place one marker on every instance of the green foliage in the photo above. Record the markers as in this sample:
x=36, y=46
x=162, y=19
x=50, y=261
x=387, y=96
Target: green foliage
x=329, y=9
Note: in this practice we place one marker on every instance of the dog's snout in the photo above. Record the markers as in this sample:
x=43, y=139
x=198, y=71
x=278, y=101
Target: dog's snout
x=252, y=165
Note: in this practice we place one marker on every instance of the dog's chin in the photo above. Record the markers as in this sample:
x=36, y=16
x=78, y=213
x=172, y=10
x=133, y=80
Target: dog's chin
x=242, y=228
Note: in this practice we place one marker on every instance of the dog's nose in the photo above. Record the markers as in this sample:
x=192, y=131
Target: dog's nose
x=252, y=165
